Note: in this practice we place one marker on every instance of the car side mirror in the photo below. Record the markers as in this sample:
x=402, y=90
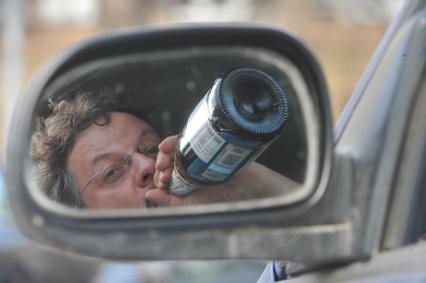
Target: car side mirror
x=163, y=73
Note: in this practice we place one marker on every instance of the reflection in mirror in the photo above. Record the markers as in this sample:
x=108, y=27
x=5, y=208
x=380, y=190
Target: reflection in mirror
x=106, y=132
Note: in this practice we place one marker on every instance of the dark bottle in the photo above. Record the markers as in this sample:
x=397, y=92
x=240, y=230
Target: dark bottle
x=231, y=126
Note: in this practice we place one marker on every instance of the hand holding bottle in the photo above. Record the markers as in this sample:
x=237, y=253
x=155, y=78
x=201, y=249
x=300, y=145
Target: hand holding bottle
x=255, y=182
x=162, y=178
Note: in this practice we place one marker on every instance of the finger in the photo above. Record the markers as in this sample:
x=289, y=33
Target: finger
x=164, y=161
x=168, y=145
x=162, y=178
x=165, y=177
x=156, y=179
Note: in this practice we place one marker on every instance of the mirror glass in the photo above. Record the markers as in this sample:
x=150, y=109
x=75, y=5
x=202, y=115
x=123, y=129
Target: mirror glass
x=104, y=133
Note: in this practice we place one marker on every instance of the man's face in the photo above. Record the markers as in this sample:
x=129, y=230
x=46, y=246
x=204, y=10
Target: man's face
x=114, y=164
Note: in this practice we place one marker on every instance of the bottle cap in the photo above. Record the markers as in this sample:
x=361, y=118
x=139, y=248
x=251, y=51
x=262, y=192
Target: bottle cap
x=253, y=101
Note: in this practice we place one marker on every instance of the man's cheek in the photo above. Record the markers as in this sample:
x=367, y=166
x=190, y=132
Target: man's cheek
x=129, y=196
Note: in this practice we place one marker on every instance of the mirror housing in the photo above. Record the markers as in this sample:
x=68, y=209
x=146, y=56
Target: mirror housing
x=242, y=231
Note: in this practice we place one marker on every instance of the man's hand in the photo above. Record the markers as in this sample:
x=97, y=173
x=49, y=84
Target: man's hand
x=162, y=177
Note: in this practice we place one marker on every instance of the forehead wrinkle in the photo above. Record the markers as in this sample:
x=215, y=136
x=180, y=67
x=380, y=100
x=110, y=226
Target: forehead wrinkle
x=100, y=157
x=111, y=152
x=148, y=130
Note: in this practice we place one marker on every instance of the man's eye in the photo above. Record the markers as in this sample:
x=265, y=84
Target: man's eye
x=152, y=149
x=111, y=174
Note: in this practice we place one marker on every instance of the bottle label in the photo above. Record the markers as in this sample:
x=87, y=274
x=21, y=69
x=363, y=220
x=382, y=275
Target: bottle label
x=226, y=160
x=206, y=143
x=229, y=158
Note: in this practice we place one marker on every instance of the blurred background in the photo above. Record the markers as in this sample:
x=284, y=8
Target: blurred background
x=343, y=34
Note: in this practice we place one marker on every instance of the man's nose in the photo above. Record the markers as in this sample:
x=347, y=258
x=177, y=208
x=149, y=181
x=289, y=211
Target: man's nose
x=143, y=169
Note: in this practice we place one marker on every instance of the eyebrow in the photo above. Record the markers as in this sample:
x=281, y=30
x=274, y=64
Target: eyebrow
x=144, y=132
x=105, y=155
